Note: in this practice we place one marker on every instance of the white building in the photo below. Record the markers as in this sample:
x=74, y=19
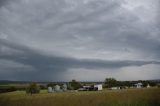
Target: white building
x=148, y=86
x=115, y=88
x=98, y=86
x=50, y=90
x=64, y=87
x=57, y=88
x=86, y=87
x=138, y=85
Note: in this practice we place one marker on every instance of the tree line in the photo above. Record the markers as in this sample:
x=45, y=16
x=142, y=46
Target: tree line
x=33, y=87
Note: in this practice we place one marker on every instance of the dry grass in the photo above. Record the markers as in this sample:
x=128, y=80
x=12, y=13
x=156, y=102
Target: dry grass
x=131, y=97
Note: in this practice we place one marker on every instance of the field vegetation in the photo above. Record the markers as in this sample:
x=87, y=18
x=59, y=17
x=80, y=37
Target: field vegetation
x=126, y=97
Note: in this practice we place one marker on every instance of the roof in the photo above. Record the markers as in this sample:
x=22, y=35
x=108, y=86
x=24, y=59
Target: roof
x=138, y=84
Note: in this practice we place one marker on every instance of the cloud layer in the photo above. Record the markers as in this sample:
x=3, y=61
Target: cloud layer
x=61, y=40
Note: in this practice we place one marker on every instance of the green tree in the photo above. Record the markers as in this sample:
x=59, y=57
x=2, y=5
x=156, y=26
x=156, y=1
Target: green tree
x=110, y=82
x=32, y=89
x=74, y=85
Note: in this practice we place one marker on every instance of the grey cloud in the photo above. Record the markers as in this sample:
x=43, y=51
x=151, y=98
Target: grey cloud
x=49, y=67
x=3, y=2
x=92, y=34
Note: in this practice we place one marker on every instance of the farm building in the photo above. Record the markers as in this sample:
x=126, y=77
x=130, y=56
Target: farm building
x=148, y=86
x=115, y=88
x=87, y=88
x=98, y=87
x=57, y=88
x=91, y=88
x=138, y=85
x=64, y=87
x=50, y=90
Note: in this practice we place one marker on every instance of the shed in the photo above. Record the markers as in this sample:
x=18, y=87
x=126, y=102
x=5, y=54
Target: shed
x=98, y=87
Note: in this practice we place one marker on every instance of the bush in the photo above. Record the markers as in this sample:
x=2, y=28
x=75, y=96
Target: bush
x=43, y=87
x=33, y=88
x=74, y=85
x=7, y=89
x=110, y=82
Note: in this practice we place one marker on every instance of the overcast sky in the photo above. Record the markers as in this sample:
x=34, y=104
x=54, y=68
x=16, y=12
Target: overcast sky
x=86, y=40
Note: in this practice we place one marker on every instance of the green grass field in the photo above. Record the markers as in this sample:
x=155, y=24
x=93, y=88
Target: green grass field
x=130, y=97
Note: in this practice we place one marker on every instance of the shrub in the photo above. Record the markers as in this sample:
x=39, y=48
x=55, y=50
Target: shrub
x=74, y=85
x=33, y=88
x=43, y=87
x=7, y=89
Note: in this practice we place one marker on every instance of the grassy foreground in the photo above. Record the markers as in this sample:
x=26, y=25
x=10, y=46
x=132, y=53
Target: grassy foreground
x=131, y=97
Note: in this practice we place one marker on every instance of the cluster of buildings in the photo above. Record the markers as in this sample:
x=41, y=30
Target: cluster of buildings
x=137, y=85
x=57, y=88
x=96, y=87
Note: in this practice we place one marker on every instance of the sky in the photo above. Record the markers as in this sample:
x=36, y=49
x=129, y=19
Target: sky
x=86, y=40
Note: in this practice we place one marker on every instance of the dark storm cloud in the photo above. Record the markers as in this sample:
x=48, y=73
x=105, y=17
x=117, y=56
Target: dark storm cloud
x=50, y=66
x=3, y=2
x=54, y=36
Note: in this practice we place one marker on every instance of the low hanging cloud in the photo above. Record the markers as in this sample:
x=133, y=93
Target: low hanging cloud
x=23, y=61
x=44, y=39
